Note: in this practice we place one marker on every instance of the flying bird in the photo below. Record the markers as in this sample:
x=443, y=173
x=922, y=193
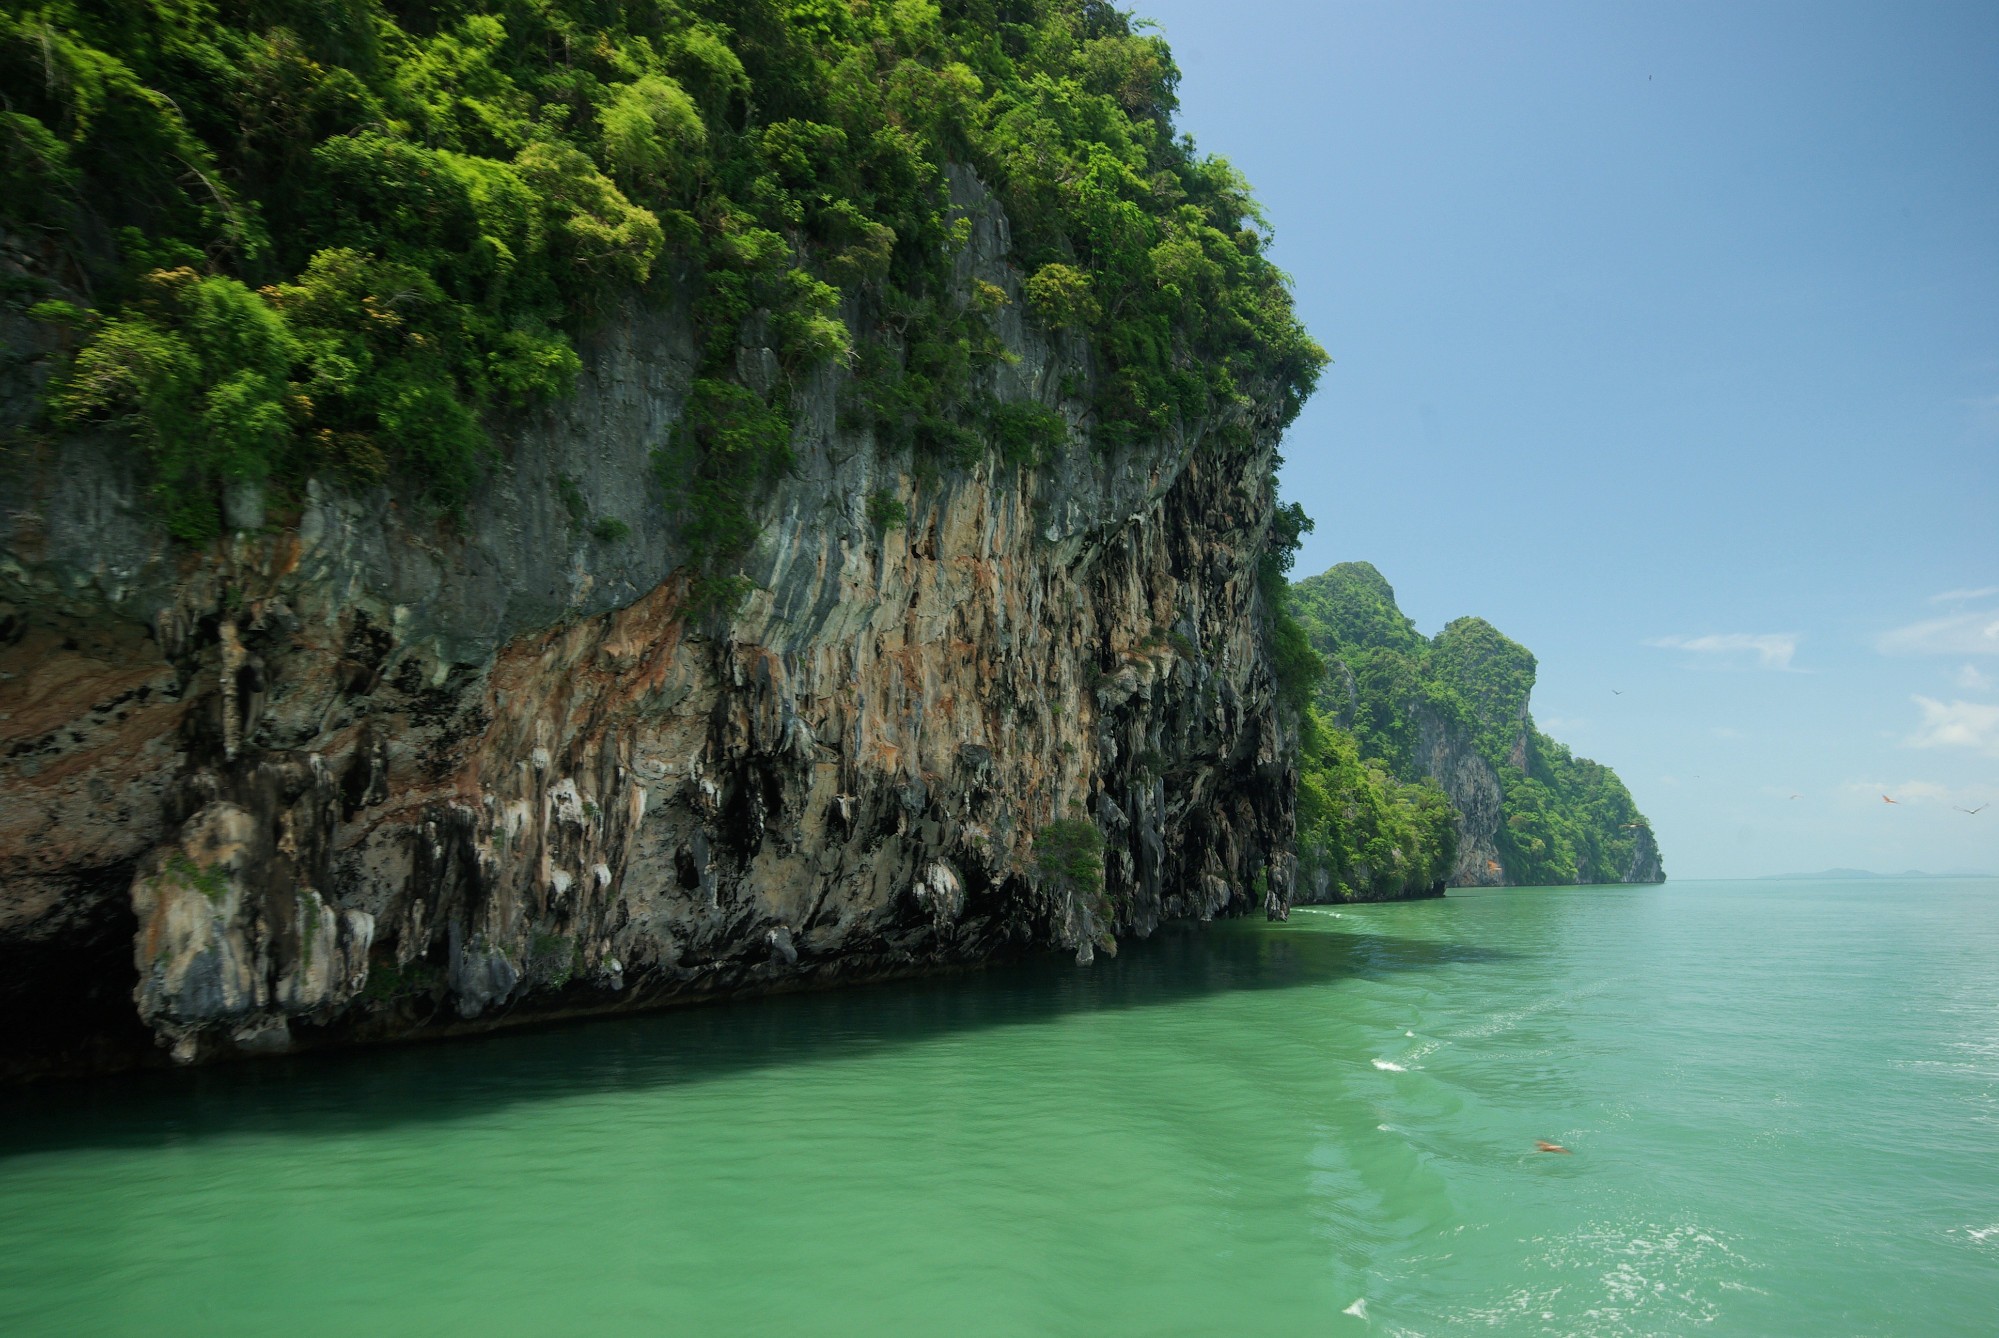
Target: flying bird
x=1797, y=796
x=1974, y=811
x=1617, y=692
x=1886, y=800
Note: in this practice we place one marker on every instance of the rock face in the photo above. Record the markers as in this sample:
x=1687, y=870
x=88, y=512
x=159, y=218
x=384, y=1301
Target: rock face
x=1494, y=679
x=372, y=775
x=1646, y=866
x=1446, y=754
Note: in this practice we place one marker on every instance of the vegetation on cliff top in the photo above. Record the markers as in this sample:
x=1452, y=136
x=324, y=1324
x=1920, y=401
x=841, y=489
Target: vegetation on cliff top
x=337, y=237
x=1564, y=819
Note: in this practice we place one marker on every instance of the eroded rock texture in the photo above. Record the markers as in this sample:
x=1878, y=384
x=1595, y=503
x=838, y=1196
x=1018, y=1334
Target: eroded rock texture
x=1449, y=757
x=370, y=775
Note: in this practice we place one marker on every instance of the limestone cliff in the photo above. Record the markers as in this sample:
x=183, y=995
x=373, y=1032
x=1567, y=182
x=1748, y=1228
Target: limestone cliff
x=377, y=775
x=1445, y=754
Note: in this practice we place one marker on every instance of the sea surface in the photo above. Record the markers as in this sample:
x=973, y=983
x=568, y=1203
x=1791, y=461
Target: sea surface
x=1781, y=1102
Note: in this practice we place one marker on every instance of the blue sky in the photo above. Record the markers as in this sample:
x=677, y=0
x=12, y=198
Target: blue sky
x=1665, y=337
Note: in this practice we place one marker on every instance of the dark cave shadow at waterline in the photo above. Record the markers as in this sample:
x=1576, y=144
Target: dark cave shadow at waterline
x=384, y=1086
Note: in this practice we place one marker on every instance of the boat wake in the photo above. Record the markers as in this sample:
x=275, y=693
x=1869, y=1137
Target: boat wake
x=1500, y=1023
x=1626, y=1278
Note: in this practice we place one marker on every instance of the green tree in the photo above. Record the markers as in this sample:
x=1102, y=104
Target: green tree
x=430, y=205
x=1069, y=862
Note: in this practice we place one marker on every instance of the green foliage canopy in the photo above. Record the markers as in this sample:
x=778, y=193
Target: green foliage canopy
x=1069, y=854
x=1362, y=830
x=1491, y=675
x=340, y=236
x=1297, y=665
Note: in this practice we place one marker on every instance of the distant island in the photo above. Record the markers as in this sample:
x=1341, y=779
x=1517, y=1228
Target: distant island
x=1859, y=874
x=1421, y=767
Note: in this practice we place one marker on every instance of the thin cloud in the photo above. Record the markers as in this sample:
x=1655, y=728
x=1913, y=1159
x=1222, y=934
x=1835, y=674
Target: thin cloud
x=1973, y=725
x=1959, y=634
x=1772, y=650
x=1960, y=596
x=1919, y=793
x=1970, y=677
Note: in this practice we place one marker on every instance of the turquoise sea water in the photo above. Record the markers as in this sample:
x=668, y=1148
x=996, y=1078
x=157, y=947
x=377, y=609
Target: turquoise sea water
x=1782, y=1101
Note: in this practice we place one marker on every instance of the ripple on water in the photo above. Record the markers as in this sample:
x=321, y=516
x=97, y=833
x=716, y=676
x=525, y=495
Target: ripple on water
x=1610, y=1279
x=1251, y=1128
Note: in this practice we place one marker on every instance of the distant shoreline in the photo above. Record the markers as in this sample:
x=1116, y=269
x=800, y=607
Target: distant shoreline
x=1862, y=875
x=1831, y=875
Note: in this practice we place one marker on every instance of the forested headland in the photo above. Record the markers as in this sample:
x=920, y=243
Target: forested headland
x=1421, y=764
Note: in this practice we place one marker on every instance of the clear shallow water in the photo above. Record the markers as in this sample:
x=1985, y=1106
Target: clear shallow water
x=1783, y=1101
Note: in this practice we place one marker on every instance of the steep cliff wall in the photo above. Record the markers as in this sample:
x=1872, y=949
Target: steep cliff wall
x=378, y=776
x=1445, y=754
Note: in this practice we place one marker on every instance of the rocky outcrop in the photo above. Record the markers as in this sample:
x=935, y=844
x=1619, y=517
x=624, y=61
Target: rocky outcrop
x=371, y=774
x=1492, y=678
x=1447, y=755
x=1646, y=866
